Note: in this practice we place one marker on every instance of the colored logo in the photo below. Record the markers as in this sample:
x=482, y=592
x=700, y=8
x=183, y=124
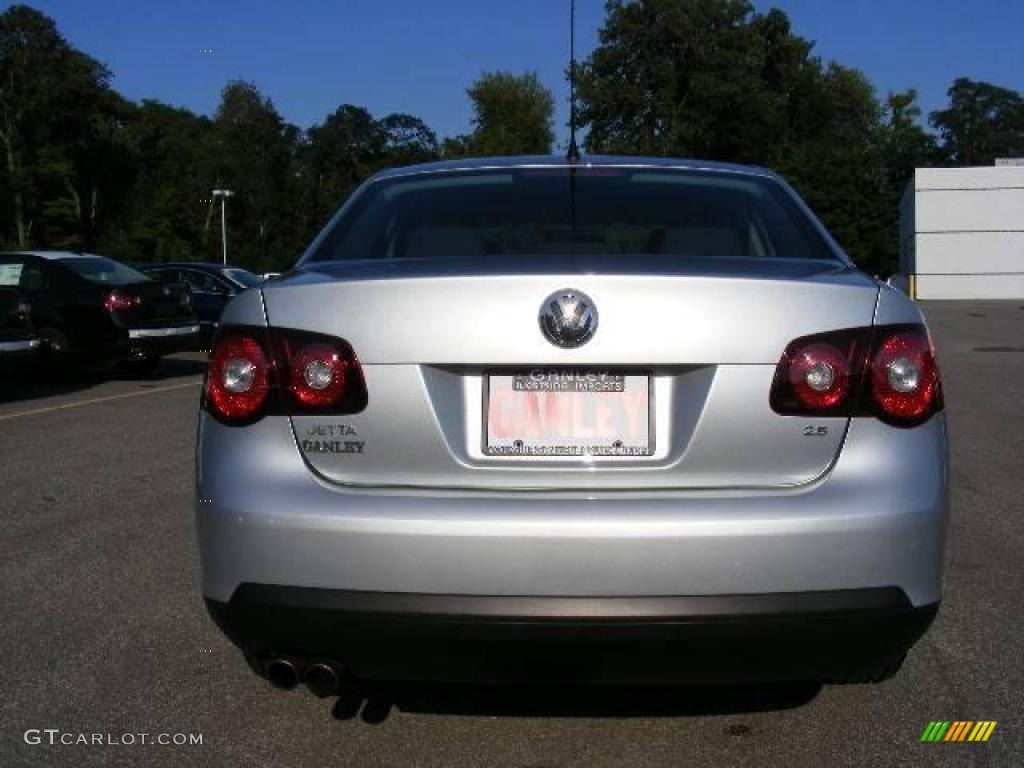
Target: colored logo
x=958, y=730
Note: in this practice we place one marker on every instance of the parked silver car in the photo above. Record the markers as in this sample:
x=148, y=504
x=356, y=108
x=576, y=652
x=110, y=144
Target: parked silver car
x=626, y=420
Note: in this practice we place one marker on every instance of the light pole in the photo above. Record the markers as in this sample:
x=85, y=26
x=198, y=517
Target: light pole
x=223, y=194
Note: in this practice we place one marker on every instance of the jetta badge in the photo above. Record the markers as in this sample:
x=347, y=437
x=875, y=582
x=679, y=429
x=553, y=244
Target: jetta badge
x=568, y=318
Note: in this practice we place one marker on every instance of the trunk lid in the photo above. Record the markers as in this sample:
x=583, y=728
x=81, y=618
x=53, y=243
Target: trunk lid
x=162, y=303
x=708, y=332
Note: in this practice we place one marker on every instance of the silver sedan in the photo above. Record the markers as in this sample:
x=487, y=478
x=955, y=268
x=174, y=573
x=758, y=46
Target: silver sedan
x=620, y=420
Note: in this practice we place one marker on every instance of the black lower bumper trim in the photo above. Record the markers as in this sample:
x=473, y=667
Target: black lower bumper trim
x=838, y=634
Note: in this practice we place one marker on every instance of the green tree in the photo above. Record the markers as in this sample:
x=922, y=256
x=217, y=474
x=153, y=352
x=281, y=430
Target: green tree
x=713, y=79
x=97, y=174
x=408, y=140
x=906, y=144
x=837, y=164
x=675, y=77
x=456, y=146
x=253, y=155
x=59, y=126
x=339, y=154
x=164, y=216
x=982, y=122
x=350, y=145
x=84, y=167
x=512, y=115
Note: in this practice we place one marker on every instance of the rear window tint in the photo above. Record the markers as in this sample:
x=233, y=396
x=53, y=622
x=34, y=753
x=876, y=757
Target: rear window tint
x=604, y=210
x=97, y=269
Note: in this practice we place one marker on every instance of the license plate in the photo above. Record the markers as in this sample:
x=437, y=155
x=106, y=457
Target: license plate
x=567, y=413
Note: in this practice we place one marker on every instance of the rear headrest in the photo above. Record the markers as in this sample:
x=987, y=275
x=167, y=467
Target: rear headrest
x=701, y=241
x=449, y=241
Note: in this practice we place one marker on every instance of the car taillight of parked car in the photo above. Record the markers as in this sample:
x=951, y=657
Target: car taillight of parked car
x=120, y=302
x=255, y=372
x=886, y=371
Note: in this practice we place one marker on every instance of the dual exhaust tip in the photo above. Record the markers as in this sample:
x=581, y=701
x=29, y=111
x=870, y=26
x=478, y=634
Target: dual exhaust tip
x=322, y=677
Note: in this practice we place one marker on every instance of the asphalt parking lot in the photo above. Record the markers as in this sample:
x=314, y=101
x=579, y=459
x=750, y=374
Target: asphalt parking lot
x=104, y=629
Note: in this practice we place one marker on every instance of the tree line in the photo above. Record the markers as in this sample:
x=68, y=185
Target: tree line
x=85, y=168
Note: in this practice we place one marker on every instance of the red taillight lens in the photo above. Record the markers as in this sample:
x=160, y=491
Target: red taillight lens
x=904, y=377
x=119, y=302
x=238, y=379
x=273, y=371
x=819, y=374
x=318, y=375
x=884, y=371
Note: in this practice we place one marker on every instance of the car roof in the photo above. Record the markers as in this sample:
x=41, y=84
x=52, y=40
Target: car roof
x=559, y=161
x=56, y=255
x=191, y=265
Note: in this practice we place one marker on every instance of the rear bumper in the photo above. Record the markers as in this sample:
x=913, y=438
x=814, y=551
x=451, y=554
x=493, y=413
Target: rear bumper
x=19, y=346
x=18, y=354
x=821, y=581
x=877, y=519
x=826, y=635
x=163, y=340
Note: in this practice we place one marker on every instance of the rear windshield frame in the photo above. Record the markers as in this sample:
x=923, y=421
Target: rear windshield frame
x=129, y=275
x=818, y=245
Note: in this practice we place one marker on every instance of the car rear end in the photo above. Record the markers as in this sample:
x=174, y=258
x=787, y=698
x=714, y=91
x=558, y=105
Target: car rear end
x=126, y=311
x=736, y=470
x=153, y=318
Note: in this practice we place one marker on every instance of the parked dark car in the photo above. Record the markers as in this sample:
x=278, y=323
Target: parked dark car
x=89, y=310
x=213, y=286
x=19, y=342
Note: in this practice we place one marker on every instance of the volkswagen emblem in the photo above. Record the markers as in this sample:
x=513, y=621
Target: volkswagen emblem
x=568, y=318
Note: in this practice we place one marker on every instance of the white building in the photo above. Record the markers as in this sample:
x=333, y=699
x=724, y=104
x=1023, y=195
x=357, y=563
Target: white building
x=962, y=233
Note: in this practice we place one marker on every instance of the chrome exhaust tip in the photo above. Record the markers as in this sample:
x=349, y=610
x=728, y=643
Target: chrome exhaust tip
x=282, y=673
x=323, y=678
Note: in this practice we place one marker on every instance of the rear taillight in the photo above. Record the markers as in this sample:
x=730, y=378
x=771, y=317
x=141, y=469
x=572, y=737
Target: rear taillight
x=255, y=372
x=885, y=371
x=119, y=302
x=317, y=375
x=238, y=378
x=905, y=383
x=819, y=375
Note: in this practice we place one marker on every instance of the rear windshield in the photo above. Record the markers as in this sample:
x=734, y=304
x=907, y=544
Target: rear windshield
x=605, y=210
x=101, y=270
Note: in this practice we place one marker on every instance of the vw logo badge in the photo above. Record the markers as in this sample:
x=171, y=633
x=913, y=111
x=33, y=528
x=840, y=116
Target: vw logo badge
x=568, y=318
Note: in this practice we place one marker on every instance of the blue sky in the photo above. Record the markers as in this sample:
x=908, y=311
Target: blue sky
x=418, y=56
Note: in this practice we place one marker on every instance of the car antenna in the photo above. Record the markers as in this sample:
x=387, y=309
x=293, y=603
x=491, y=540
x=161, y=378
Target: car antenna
x=573, y=153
